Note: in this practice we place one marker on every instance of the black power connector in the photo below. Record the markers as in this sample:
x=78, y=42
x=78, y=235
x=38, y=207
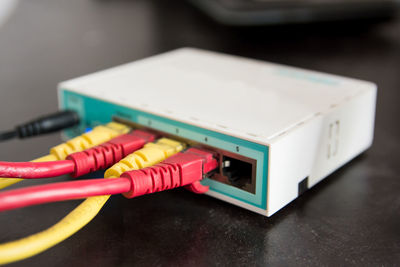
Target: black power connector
x=42, y=125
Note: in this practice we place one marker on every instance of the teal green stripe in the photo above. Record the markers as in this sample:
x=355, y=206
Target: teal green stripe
x=95, y=112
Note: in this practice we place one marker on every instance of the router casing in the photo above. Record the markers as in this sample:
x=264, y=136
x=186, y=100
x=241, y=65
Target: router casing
x=279, y=130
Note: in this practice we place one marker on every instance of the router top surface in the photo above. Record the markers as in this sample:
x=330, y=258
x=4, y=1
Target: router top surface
x=245, y=98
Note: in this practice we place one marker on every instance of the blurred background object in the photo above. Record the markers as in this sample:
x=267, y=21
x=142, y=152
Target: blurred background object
x=352, y=218
x=267, y=12
x=6, y=8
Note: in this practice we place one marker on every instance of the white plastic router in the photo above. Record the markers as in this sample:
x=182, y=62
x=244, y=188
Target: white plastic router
x=278, y=130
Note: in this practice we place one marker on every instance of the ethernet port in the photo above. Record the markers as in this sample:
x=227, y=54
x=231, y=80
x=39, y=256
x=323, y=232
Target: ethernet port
x=237, y=171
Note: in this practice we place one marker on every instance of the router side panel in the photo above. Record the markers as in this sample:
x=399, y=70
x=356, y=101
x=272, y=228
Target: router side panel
x=292, y=156
x=347, y=131
x=311, y=151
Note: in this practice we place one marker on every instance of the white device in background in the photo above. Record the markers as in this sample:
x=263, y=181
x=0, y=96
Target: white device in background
x=278, y=130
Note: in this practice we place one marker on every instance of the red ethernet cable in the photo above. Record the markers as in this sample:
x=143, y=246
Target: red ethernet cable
x=80, y=163
x=183, y=169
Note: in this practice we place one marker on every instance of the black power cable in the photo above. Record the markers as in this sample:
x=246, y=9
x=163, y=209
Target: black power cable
x=45, y=124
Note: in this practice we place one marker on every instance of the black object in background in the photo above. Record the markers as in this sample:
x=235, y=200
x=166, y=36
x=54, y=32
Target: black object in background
x=265, y=12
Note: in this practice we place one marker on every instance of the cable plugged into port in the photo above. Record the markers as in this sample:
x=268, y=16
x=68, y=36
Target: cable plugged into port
x=235, y=169
x=182, y=169
x=97, y=136
x=80, y=163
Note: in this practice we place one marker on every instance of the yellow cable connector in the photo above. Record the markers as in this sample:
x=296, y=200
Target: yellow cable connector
x=97, y=136
x=145, y=157
x=150, y=154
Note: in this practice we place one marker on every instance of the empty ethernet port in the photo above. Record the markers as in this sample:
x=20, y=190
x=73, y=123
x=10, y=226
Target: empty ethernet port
x=236, y=172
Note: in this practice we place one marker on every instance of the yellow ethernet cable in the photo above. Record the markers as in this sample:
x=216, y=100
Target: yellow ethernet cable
x=98, y=135
x=150, y=154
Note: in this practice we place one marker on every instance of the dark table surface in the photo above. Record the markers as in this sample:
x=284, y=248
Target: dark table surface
x=351, y=218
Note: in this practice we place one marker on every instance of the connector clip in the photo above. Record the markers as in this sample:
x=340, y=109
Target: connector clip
x=183, y=169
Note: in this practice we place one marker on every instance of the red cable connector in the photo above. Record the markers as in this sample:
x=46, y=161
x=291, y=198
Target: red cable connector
x=80, y=163
x=183, y=169
x=109, y=153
